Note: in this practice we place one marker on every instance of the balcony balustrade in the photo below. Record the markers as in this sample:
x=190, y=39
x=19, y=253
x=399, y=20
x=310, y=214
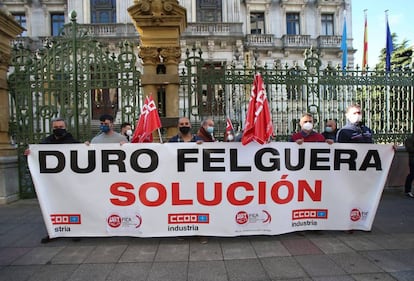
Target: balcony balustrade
x=329, y=41
x=296, y=41
x=111, y=30
x=213, y=29
x=260, y=40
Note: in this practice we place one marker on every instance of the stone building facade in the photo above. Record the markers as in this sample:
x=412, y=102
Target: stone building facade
x=248, y=31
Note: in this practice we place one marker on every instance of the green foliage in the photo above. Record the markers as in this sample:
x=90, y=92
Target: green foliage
x=401, y=57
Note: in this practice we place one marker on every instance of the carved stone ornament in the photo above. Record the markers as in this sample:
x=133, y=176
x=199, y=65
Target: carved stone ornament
x=5, y=58
x=149, y=55
x=171, y=55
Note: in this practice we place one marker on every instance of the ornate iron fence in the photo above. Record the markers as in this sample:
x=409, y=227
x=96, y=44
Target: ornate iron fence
x=75, y=77
x=223, y=90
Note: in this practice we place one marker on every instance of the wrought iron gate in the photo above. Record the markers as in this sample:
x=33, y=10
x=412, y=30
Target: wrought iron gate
x=75, y=77
x=222, y=90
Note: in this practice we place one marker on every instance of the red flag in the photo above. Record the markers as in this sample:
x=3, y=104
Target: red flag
x=229, y=136
x=139, y=127
x=229, y=125
x=258, y=125
x=152, y=120
x=148, y=121
x=365, y=53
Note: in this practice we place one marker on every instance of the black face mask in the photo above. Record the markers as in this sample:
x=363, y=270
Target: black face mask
x=184, y=130
x=59, y=132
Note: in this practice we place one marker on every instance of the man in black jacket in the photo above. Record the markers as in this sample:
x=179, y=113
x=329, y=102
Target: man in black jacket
x=409, y=146
x=60, y=134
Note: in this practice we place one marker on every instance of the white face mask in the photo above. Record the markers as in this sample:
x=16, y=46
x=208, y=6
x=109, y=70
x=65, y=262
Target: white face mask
x=230, y=137
x=307, y=126
x=129, y=133
x=355, y=118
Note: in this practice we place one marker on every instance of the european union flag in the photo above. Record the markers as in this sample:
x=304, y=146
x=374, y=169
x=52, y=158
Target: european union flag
x=344, y=47
x=202, y=218
x=388, y=49
x=322, y=214
x=74, y=219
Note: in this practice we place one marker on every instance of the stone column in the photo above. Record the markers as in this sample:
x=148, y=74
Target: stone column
x=172, y=57
x=9, y=181
x=160, y=23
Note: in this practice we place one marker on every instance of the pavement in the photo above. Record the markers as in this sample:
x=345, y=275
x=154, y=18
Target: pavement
x=384, y=253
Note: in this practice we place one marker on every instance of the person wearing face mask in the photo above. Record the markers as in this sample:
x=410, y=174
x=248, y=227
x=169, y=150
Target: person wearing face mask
x=126, y=130
x=184, y=132
x=354, y=131
x=307, y=133
x=59, y=133
x=108, y=135
x=59, y=136
x=330, y=130
x=206, y=131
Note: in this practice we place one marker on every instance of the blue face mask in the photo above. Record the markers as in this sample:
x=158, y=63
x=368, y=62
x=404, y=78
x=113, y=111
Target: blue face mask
x=329, y=129
x=105, y=128
x=210, y=130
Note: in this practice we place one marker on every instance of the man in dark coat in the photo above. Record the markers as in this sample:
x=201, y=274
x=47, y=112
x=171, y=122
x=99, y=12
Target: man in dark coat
x=60, y=134
x=354, y=131
x=206, y=130
x=409, y=146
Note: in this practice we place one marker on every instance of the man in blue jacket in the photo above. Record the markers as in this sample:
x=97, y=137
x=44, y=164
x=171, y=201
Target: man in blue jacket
x=354, y=131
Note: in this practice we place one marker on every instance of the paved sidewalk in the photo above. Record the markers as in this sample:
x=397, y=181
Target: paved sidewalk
x=385, y=253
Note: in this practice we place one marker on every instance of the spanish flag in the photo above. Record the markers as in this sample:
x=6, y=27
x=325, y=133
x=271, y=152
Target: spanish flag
x=365, y=54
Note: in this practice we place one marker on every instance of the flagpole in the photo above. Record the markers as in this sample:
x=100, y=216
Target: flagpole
x=365, y=47
x=344, y=45
x=388, y=52
x=159, y=134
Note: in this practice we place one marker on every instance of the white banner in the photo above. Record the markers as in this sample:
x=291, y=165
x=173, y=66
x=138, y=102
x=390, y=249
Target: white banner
x=217, y=189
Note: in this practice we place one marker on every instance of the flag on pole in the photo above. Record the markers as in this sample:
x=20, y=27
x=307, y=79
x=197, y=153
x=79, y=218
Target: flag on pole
x=365, y=54
x=258, y=124
x=148, y=121
x=139, y=127
x=388, y=49
x=229, y=136
x=344, y=46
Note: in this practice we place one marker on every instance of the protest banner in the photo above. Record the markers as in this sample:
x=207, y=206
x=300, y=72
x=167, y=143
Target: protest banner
x=209, y=189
